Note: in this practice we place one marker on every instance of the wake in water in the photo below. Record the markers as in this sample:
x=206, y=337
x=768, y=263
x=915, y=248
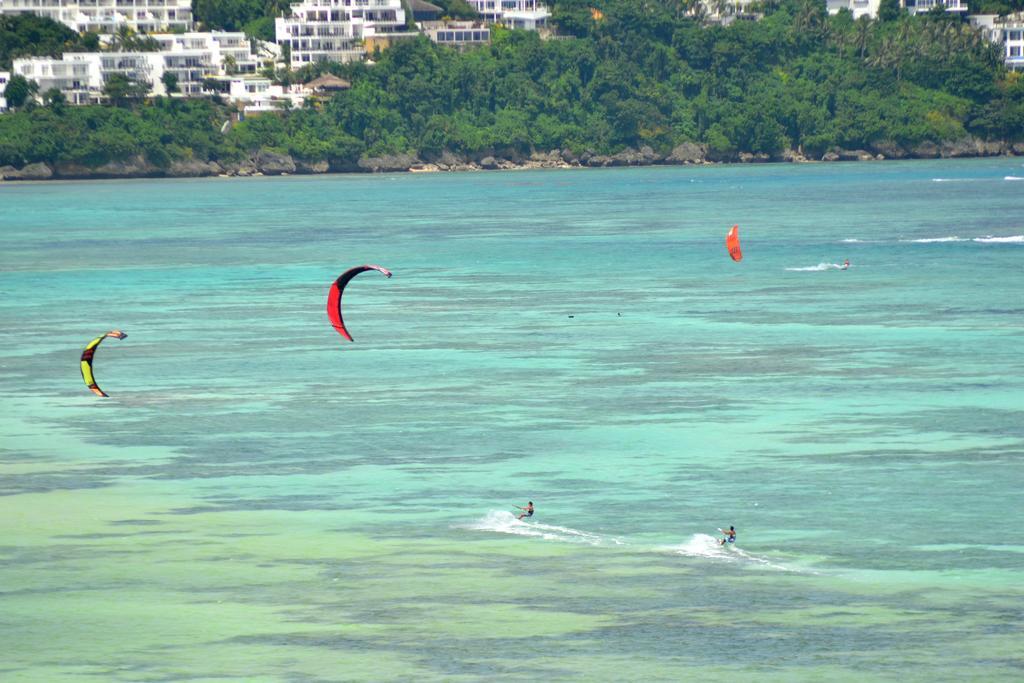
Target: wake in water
x=933, y=240
x=1013, y=177
x=699, y=545
x=819, y=267
x=703, y=545
x=988, y=239
x=501, y=522
x=1012, y=239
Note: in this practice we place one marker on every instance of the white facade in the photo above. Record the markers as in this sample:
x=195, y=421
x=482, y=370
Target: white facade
x=869, y=8
x=859, y=8
x=457, y=33
x=105, y=16
x=191, y=57
x=332, y=30
x=229, y=50
x=525, y=14
x=5, y=77
x=923, y=6
x=257, y=94
x=1007, y=33
x=725, y=13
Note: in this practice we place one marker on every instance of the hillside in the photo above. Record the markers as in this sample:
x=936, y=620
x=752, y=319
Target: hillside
x=644, y=76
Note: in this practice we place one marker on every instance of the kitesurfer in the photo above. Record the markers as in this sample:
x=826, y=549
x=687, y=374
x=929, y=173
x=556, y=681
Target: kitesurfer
x=846, y=264
x=527, y=511
x=730, y=536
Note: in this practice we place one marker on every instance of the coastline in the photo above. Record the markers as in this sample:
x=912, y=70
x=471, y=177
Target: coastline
x=264, y=163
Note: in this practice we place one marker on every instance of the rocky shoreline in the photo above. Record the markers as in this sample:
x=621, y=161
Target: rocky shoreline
x=267, y=163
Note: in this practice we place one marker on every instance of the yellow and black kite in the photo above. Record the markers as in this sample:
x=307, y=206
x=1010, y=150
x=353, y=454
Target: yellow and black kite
x=87, y=358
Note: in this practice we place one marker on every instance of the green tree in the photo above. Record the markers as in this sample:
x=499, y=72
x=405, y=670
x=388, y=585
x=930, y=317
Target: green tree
x=55, y=99
x=122, y=90
x=26, y=35
x=18, y=91
x=170, y=81
x=889, y=10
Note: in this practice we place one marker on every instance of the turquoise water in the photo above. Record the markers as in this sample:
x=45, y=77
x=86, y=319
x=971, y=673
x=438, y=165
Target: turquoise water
x=261, y=500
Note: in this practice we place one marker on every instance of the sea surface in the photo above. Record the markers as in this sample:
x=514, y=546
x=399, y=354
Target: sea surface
x=259, y=499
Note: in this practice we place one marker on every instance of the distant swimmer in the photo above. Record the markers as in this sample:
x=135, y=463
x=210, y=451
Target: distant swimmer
x=730, y=536
x=846, y=264
x=527, y=511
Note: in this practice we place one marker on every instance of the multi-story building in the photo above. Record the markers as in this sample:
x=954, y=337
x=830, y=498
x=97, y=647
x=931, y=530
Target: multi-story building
x=5, y=78
x=333, y=30
x=921, y=6
x=233, y=51
x=859, y=8
x=525, y=14
x=457, y=33
x=869, y=8
x=105, y=16
x=1007, y=33
x=191, y=58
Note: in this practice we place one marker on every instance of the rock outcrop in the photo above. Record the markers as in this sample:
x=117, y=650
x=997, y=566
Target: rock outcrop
x=37, y=171
x=688, y=153
x=387, y=164
x=193, y=168
x=133, y=167
x=272, y=163
x=888, y=149
x=925, y=150
x=752, y=158
x=312, y=167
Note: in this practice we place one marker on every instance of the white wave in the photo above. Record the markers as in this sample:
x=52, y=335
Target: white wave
x=853, y=240
x=1012, y=239
x=1013, y=177
x=703, y=545
x=502, y=522
x=930, y=240
x=820, y=266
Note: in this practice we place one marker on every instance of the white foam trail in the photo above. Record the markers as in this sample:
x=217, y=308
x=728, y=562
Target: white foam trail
x=1013, y=239
x=853, y=240
x=819, y=267
x=1013, y=177
x=930, y=240
x=703, y=545
x=502, y=522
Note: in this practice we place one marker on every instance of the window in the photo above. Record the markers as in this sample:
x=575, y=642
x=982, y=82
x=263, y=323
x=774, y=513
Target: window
x=1015, y=51
x=1015, y=35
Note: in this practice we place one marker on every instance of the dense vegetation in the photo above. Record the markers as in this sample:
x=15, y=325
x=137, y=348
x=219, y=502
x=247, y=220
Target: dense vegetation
x=255, y=17
x=644, y=74
x=25, y=35
x=1002, y=7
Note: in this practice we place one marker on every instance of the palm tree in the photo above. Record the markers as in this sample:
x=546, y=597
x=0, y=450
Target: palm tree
x=863, y=33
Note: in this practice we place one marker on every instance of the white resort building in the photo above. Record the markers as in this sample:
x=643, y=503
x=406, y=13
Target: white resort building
x=457, y=33
x=105, y=16
x=190, y=57
x=1006, y=32
x=923, y=6
x=859, y=8
x=333, y=30
x=525, y=14
x=869, y=8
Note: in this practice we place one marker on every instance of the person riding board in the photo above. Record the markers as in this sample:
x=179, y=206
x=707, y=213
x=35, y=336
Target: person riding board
x=730, y=536
x=846, y=264
x=527, y=511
